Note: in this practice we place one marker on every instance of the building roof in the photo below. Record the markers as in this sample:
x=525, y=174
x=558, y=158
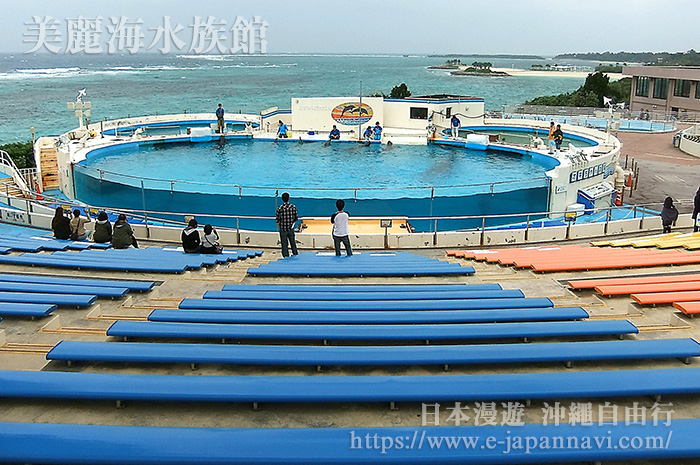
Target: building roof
x=670, y=72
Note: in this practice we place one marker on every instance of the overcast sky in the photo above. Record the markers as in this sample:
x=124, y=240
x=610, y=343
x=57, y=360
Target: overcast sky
x=410, y=26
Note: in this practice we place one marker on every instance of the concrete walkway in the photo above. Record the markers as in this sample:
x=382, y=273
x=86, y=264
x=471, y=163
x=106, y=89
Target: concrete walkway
x=663, y=169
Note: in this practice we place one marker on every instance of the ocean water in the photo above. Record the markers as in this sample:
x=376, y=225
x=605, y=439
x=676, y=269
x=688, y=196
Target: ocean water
x=34, y=89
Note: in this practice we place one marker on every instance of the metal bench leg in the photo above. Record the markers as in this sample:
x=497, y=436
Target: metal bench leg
x=392, y=406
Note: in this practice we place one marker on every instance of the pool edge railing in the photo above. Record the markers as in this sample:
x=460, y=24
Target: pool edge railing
x=36, y=212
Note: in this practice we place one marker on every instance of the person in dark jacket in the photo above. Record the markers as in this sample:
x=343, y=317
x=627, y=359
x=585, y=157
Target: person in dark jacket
x=190, y=238
x=123, y=235
x=669, y=214
x=103, y=229
x=696, y=210
x=60, y=224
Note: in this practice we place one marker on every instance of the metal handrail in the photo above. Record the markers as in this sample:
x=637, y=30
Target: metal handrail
x=641, y=209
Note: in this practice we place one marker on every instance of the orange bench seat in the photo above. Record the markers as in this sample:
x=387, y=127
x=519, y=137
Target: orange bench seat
x=648, y=288
x=665, y=297
x=593, y=283
x=689, y=308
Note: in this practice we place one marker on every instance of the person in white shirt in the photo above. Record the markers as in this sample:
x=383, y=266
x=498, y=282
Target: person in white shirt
x=340, y=228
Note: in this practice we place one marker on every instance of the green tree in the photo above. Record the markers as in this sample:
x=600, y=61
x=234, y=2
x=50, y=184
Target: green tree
x=21, y=153
x=400, y=91
x=598, y=84
x=590, y=94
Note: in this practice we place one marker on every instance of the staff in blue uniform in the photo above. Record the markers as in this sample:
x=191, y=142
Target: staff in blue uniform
x=456, y=124
x=377, y=131
x=220, y=120
x=282, y=130
x=368, y=133
x=334, y=134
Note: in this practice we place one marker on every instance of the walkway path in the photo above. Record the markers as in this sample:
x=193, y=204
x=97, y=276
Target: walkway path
x=663, y=169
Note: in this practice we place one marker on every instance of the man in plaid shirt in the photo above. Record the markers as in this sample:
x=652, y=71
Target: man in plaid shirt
x=286, y=219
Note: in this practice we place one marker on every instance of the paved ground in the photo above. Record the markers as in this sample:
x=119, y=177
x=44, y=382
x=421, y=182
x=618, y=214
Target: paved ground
x=663, y=169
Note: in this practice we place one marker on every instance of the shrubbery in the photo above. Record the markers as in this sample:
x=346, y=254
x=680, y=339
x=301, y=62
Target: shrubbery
x=21, y=153
x=590, y=94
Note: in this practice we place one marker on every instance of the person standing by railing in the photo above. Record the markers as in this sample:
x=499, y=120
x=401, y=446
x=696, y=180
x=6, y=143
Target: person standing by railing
x=286, y=218
x=550, y=138
x=669, y=215
x=341, y=233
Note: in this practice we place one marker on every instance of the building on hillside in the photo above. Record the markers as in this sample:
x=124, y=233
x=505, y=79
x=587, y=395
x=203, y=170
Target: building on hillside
x=661, y=90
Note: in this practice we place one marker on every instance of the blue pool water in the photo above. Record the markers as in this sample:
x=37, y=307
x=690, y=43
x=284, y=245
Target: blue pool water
x=413, y=181
x=314, y=170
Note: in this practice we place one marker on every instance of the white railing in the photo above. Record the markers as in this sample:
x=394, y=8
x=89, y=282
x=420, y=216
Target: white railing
x=638, y=219
x=18, y=175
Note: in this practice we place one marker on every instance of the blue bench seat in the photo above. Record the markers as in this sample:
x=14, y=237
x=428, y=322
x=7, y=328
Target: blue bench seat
x=194, y=262
x=471, y=304
x=99, y=291
x=43, y=243
x=44, y=279
x=370, y=270
x=409, y=445
x=23, y=309
x=360, y=287
x=143, y=352
x=371, y=388
x=476, y=331
x=360, y=296
x=372, y=317
x=123, y=265
x=70, y=300
x=19, y=246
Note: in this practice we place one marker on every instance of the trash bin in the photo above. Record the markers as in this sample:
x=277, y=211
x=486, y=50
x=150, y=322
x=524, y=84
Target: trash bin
x=677, y=139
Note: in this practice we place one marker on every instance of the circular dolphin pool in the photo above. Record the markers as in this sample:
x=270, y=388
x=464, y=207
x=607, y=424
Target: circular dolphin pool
x=244, y=178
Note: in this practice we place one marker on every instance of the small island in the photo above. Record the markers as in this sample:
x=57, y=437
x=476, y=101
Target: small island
x=477, y=68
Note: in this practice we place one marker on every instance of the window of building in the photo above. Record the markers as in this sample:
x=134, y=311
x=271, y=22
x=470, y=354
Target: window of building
x=697, y=90
x=419, y=113
x=682, y=88
x=661, y=88
x=642, y=86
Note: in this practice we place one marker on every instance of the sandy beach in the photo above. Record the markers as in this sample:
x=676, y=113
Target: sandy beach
x=571, y=74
